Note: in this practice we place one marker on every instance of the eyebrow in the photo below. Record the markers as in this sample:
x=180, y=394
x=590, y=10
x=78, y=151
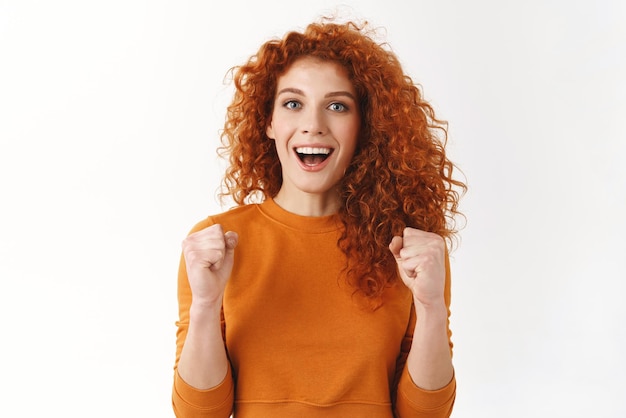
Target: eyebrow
x=331, y=94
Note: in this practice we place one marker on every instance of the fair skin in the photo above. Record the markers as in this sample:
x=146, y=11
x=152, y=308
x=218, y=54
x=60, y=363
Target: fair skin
x=421, y=260
x=315, y=125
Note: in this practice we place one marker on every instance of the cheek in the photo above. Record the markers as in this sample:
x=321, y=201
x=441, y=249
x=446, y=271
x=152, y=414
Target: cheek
x=352, y=136
x=280, y=128
x=348, y=154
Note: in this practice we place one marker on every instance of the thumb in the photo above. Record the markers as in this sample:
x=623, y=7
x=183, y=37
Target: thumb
x=395, y=246
x=231, y=239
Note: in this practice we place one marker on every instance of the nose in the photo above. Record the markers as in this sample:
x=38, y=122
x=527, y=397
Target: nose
x=313, y=122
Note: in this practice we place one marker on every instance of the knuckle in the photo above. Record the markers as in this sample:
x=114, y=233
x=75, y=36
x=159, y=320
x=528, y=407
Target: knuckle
x=216, y=228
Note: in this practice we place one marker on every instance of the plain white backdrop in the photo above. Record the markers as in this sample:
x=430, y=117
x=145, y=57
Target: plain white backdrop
x=109, y=120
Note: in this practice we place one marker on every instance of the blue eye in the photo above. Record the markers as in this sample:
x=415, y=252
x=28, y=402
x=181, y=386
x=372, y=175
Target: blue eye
x=338, y=107
x=292, y=104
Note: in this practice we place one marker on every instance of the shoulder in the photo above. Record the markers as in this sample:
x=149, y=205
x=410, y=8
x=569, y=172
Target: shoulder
x=235, y=216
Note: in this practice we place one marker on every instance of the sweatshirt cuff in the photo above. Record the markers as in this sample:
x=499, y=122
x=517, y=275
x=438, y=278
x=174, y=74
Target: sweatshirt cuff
x=216, y=398
x=426, y=400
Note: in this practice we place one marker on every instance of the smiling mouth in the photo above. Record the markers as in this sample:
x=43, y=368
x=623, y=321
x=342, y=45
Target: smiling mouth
x=312, y=156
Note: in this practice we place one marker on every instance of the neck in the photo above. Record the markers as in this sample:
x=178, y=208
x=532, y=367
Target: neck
x=308, y=204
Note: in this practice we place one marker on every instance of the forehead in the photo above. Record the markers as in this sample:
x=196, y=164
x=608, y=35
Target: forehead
x=319, y=73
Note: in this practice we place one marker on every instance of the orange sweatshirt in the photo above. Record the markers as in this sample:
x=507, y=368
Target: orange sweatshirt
x=299, y=343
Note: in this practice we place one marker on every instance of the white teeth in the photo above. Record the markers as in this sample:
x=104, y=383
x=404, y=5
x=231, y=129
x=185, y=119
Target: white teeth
x=311, y=150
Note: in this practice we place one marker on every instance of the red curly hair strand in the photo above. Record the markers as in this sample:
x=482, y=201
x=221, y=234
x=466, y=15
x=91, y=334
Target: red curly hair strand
x=399, y=176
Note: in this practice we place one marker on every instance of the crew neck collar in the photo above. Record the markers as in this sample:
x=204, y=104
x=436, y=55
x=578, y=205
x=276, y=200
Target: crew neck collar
x=311, y=224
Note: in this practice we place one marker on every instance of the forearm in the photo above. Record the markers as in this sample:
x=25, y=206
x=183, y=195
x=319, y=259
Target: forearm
x=203, y=361
x=430, y=360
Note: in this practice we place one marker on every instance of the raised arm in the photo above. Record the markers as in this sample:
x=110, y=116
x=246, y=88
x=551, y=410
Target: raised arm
x=202, y=364
x=423, y=265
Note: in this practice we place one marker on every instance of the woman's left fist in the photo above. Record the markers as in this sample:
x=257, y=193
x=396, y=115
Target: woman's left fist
x=421, y=263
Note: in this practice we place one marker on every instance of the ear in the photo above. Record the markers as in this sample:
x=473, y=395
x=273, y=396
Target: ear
x=269, y=131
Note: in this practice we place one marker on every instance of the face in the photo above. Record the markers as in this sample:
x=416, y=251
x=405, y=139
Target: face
x=315, y=124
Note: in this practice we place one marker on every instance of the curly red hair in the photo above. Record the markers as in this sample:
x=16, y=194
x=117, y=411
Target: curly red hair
x=399, y=176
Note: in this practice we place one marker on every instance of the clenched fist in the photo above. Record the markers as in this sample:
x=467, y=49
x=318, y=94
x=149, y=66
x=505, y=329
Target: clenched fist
x=421, y=263
x=209, y=255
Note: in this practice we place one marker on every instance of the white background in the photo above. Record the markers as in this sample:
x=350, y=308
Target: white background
x=109, y=119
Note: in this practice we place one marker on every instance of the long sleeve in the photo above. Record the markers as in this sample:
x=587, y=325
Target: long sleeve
x=187, y=401
x=412, y=401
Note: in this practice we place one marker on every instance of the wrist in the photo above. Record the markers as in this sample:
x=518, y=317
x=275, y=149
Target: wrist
x=202, y=310
x=433, y=311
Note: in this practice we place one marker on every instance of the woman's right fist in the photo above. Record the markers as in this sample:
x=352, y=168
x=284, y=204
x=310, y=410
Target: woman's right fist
x=209, y=255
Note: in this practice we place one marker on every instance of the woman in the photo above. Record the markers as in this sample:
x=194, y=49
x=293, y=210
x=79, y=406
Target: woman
x=326, y=292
